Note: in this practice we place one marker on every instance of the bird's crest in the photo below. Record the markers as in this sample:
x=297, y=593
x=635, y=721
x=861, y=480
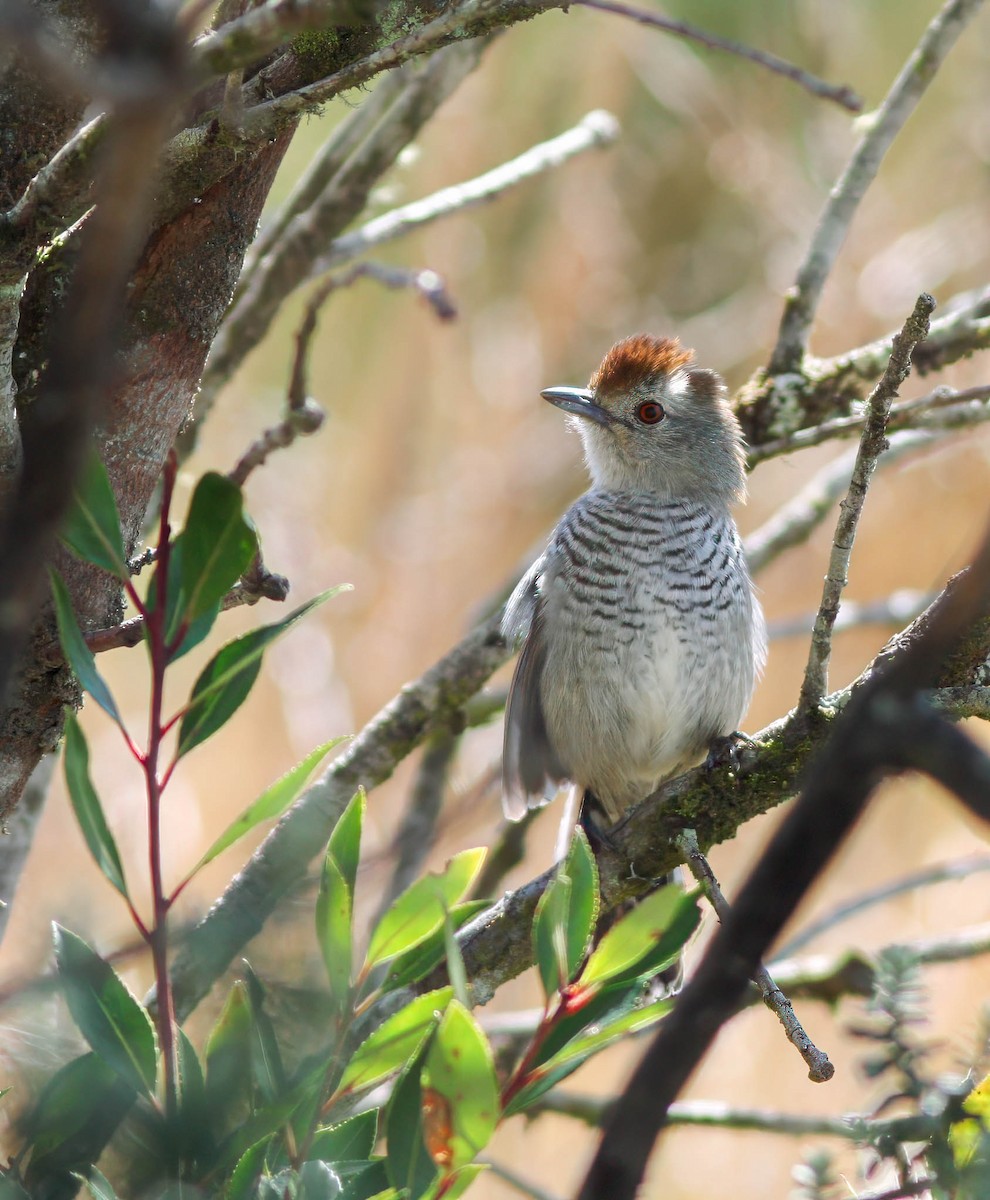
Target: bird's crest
x=637, y=359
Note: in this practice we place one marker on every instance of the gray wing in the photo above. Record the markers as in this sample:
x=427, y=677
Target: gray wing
x=529, y=761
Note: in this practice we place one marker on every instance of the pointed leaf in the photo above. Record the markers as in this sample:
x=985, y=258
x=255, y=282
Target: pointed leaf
x=249, y=1167
x=415, y=964
x=218, y=544
x=228, y=1052
x=228, y=677
x=68, y=1103
x=335, y=902
x=581, y=1048
x=419, y=911
x=550, y=932
x=636, y=936
x=87, y=807
x=395, y=1041
x=97, y=1183
x=353, y=1138
x=408, y=1164
x=459, y=1084
x=272, y=802
x=78, y=655
x=92, y=525
x=267, y=1070
x=116, y=1026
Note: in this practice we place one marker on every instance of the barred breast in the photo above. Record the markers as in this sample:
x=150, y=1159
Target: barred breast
x=651, y=640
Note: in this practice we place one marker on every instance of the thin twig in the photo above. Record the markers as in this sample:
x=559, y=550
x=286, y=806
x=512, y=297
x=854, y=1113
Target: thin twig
x=524, y=1186
x=871, y=446
x=839, y=94
x=257, y=583
x=596, y=129
x=895, y=610
x=902, y=416
x=961, y=868
x=360, y=156
x=856, y=1127
x=794, y=523
x=833, y=224
x=820, y=1069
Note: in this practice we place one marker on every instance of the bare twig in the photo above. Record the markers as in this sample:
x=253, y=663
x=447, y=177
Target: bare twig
x=794, y=523
x=356, y=168
x=820, y=1069
x=959, y=869
x=896, y=610
x=594, y=130
x=257, y=583
x=856, y=1127
x=902, y=416
x=839, y=94
x=525, y=1187
x=322, y=172
x=884, y=125
x=871, y=446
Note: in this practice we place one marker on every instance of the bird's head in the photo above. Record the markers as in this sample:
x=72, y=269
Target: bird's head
x=650, y=421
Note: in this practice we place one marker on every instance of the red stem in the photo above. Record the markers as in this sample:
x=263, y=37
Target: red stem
x=158, y=938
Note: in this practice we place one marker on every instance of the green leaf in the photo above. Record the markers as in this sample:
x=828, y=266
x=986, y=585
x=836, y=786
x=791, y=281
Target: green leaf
x=639, y=935
x=92, y=525
x=456, y=971
x=228, y=677
x=99, y=1186
x=87, y=807
x=77, y=1093
x=193, y=1129
x=78, y=655
x=566, y=915
x=372, y=1184
x=459, y=1069
x=550, y=932
x=395, y=1041
x=267, y=1070
x=581, y=1048
x=217, y=545
x=228, y=1054
x=408, y=1163
x=335, y=902
x=415, y=964
x=353, y=1138
x=116, y=1026
x=272, y=802
x=249, y=1167
x=419, y=911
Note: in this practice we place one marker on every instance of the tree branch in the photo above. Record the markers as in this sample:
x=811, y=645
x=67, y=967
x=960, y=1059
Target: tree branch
x=872, y=444
x=833, y=225
x=838, y=94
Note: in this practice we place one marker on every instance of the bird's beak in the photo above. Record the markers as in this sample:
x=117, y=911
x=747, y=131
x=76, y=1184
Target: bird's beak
x=579, y=401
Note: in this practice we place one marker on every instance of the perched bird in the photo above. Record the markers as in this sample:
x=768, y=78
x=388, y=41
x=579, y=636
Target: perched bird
x=641, y=635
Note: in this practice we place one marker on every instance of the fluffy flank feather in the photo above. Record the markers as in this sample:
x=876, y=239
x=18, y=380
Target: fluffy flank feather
x=636, y=360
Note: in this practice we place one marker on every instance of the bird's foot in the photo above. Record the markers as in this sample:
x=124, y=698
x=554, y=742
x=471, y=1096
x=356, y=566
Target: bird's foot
x=592, y=821
x=724, y=751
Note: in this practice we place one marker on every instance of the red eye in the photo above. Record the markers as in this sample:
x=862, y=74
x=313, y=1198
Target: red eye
x=650, y=413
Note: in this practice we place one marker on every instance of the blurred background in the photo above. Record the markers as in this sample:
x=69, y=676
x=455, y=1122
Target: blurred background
x=440, y=471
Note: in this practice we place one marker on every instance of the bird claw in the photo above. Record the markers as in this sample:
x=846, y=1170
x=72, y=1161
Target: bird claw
x=724, y=751
x=597, y=834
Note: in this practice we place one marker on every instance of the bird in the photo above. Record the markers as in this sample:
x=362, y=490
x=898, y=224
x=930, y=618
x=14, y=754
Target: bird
x=641, y=634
